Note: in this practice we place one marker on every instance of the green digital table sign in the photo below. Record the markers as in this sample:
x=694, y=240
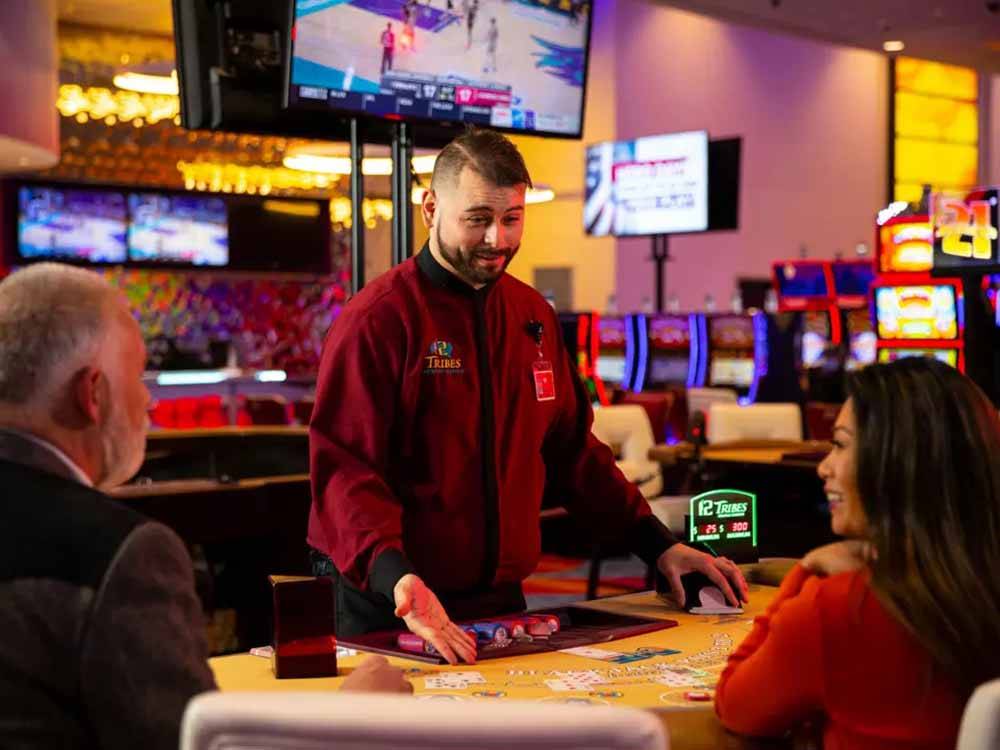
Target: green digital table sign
x=726, y=522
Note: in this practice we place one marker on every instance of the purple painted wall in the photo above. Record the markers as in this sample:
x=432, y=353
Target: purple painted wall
x=813, y=121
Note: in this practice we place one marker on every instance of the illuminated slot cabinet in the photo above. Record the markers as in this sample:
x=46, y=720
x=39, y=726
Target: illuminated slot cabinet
x=920, y=316
x=914, y=313
x=615, y=363
x=669, y=349
x=581, y=334
x=805, y=287
x=852, y=282
x=736, y=353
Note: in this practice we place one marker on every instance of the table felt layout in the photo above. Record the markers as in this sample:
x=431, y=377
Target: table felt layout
x=653, y=670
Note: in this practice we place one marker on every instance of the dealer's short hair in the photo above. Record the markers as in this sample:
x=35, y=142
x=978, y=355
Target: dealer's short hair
x=486, y=152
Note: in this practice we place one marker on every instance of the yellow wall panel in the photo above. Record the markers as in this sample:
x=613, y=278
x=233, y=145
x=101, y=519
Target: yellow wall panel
x=940, y=164
x=936, y=79
x=937, y=119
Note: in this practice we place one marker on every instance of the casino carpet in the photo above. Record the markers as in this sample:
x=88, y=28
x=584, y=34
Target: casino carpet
x=559, y=580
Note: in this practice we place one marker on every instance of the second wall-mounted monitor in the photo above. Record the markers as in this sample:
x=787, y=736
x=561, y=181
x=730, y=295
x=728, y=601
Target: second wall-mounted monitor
x=178, y=229
x=517, y=65
x=647, y=186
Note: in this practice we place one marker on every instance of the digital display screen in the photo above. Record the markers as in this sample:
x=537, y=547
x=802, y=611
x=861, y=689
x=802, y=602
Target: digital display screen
x=916, y=312
x=906, y=246
x=670, y=332
x=518, y=64
x=724, y=520
x=75, y=225
x=663, y=370
x=852, y=279
x=186, y=229
x=815, y=338
x=731, y=332
x=966, y=232
x=737, y=372
x=862, y=350
x=652, y=185
x=610, y=369
x=611, y=333
x=802, y=279
x=948, y=356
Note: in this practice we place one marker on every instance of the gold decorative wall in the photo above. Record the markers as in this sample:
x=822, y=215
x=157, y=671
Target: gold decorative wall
x=936, y=138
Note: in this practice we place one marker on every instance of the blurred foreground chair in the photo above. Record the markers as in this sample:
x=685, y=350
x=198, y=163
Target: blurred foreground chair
x=328, y=721
x=980, y=727
x=729, y=422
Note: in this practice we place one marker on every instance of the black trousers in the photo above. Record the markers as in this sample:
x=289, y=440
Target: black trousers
x=359, y=612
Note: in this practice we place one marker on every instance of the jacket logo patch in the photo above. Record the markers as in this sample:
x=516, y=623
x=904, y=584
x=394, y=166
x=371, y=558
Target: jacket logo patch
x=442, y=360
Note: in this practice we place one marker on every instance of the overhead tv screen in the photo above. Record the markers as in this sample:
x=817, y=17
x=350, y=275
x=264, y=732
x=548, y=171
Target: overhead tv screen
x=173, y=228
x=647, y=186
x=517, y=65
x=87, y=226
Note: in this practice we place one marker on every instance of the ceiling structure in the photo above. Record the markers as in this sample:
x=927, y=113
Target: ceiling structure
x=962, y=32
x=150, y=16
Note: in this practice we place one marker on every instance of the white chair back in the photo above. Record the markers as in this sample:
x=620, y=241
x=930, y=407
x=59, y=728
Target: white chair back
x=627, y=427
x=367, y=721
x=980, y=727
x=701, y=399
x=728, y=422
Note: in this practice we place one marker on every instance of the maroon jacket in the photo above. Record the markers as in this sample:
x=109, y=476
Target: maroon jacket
x=430, y=452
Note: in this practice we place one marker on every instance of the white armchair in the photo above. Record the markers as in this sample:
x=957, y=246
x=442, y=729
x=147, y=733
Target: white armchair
x=627, y=427
x=359, y=721
x=729, y=422
x=980, y=726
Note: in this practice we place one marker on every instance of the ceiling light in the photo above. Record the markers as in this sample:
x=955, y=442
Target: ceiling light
x=146, y=83
x=370, y=167
x=893, y=45
x=540, y=194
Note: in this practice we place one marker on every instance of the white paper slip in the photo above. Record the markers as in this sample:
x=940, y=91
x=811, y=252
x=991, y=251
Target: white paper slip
x=592, y=653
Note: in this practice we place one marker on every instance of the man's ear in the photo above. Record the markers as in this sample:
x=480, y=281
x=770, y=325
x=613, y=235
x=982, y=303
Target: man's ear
x=90, y=393
x=428, y=207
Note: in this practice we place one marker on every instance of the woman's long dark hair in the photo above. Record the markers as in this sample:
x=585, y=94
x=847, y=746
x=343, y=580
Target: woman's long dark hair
x=928, y=470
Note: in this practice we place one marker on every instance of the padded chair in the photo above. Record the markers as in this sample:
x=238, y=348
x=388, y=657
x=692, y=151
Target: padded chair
x=729, y=422
x=365, y=721
x=701, y=399
x=627, y=427
x=980, y=727
x=667, y=411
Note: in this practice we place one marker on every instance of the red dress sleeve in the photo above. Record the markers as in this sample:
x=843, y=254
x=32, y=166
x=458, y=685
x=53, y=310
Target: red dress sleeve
x=773, y=680
x=349, y=444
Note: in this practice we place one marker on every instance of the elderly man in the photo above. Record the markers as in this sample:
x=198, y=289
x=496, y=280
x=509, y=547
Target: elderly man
x=101, y=634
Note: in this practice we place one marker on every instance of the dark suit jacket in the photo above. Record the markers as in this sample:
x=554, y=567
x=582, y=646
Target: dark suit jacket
x=102, y=640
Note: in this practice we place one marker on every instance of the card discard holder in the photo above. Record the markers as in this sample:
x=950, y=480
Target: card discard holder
x=305, y=641
x=701, y=596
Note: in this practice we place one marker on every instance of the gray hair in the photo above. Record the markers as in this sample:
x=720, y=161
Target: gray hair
x=52, y=320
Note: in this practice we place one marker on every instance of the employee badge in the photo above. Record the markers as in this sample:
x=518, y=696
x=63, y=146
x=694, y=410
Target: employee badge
x=545, y=381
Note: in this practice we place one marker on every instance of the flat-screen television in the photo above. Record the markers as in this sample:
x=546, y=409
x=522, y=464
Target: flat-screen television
x=917, y=312
x=231, y=69
x=517, y=65
x=652, y=185
x=69, y=224
x=185, y=229
x=279, y=234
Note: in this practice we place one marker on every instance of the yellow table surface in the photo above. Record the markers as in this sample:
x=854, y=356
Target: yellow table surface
x=702, y=643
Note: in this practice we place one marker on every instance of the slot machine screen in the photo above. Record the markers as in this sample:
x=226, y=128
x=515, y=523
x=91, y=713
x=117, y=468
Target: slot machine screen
x=948, y=356
x=917, y=312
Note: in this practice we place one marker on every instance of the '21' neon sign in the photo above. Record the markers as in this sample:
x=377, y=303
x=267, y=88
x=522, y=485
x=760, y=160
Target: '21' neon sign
x=966, y=228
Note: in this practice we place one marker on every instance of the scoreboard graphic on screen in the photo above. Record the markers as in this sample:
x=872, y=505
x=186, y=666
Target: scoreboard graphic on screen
x=725, y=521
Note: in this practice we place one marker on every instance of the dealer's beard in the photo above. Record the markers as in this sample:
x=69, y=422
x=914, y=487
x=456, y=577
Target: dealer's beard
x=464, y=262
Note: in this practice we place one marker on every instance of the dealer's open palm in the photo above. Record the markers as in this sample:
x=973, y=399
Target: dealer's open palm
x=425, y=616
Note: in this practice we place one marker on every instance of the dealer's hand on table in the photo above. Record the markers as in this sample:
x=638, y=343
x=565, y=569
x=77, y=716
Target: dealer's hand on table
x=839, y=557
x=722, y=571
x=376, y=675
x=424, y=616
